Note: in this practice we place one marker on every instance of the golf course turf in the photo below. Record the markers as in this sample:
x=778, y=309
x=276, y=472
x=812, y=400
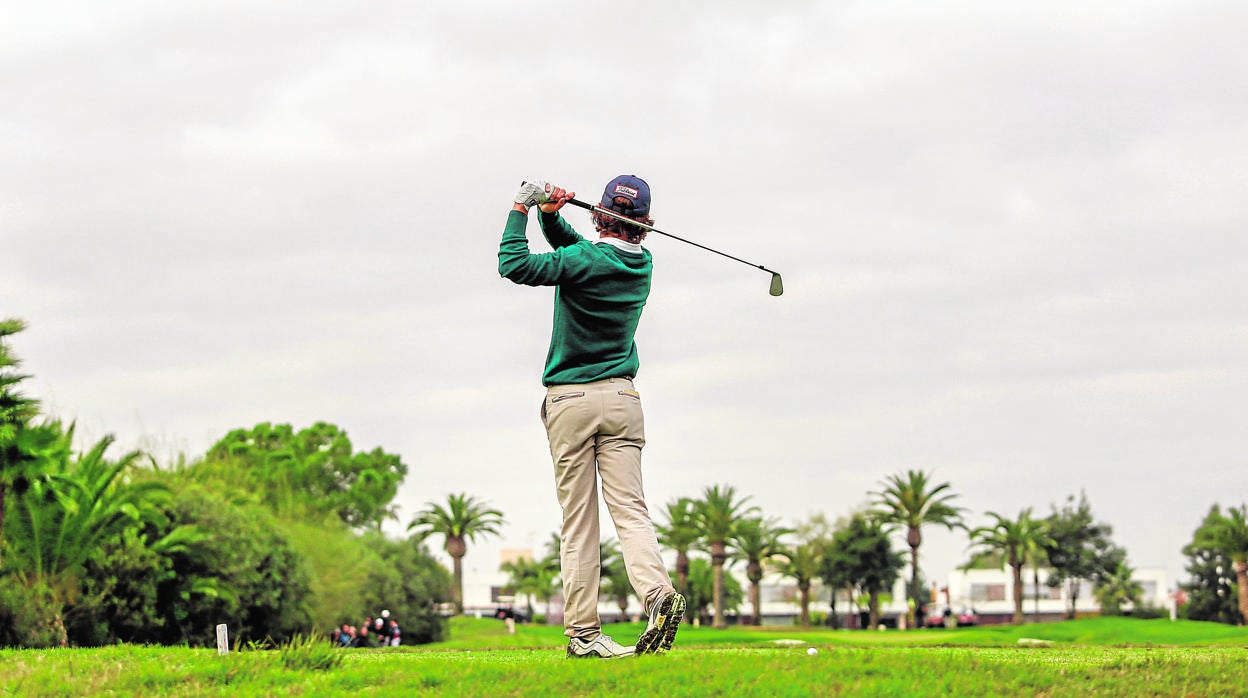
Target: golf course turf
x=1090, y=657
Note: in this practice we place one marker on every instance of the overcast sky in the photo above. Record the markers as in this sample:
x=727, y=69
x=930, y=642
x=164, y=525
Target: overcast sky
x=1012, y=239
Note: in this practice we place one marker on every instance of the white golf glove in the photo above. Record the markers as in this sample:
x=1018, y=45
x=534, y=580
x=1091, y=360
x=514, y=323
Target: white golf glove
x=533, y=193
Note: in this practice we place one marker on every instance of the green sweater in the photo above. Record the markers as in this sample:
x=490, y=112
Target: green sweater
x=600, y=291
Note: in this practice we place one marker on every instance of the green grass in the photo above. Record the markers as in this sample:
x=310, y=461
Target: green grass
x=482, y=633
x=1094, y=657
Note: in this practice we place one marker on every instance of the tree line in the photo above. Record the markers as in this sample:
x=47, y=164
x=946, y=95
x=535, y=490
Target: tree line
x=855, y=557
x=277, y=532
x=274, y=531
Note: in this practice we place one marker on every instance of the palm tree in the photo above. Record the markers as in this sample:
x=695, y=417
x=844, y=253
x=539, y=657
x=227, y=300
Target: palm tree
x=63, y=518
x=614, y=575
x=802, y=564
x=463, y=519
x=680, y=533
x=717, y=514
x=521, y=579
x=1118, y=589
x=702, y=591
x=24, y=448
x=1015, y=540
x=1228, y=534
x=909, y=500
x=757, y=541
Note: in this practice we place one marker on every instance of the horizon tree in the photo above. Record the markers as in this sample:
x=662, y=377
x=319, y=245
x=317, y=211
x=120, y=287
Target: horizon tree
x=1228, y=534
x=801, y=563
x=1212, y=582
x=614, y=575
x=1080, y=548
x=865, y=560
x=464, y=519
x=1118, y=589
x=24, y=447
x=1013, y=539
x=909, y=500
x=680, y=534
x=702, y=591
x=757, y=541
x=717, y=514
x=316, y=469
x=522, y=579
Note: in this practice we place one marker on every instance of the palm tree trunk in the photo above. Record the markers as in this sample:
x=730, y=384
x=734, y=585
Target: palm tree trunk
x=682, y=572
x=1035, y=586
x=718, y=595
x=718, y=557
x=873, y=608
x=913, y=540
x=457, y=562
x=756, y=597
x=1017, y=569
x=833, y=621
x=1241, y=581
x=805, y=596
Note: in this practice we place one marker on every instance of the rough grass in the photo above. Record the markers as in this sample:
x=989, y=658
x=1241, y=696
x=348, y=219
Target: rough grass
x=1094, y=657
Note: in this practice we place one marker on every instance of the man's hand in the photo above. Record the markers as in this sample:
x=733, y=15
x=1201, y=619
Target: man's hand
x=556, y=199
x=533, y=193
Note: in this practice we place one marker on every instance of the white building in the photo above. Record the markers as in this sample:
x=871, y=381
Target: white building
x=991, y=594
x=988, y=592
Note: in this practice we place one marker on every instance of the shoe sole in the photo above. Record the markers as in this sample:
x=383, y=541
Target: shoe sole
x=659, y=639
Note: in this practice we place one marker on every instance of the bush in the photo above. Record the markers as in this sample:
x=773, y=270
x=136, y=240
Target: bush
x=29, y=616
x=245, y=575
x=409, y=583
x=1148, y=611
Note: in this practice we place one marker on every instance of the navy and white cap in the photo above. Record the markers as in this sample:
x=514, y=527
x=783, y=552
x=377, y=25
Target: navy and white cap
x=630, y=187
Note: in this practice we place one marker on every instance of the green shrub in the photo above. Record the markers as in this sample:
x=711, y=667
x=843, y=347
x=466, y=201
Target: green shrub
x=309, y=653
x=29, y=615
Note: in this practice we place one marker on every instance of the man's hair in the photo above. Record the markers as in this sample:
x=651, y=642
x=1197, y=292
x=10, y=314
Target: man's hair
x=614, y=227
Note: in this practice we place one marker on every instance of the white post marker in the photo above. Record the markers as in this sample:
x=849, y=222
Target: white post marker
x=223, y=639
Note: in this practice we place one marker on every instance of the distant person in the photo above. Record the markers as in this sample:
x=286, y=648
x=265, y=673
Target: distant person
x=394, y=633
x=592, y=411
x=381, y=630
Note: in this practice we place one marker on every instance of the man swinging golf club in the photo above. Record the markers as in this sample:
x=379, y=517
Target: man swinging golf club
x=592, y=411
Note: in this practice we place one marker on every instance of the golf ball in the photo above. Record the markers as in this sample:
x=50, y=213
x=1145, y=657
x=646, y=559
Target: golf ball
x=812, y=651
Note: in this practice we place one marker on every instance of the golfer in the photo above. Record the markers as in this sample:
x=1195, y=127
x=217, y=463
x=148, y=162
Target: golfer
x=592, y=411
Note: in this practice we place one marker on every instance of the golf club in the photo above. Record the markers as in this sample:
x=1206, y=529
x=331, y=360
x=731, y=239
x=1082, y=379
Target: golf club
x=777, y=286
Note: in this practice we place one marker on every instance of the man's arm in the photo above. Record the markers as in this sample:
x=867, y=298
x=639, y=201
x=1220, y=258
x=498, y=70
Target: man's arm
x=518, y=264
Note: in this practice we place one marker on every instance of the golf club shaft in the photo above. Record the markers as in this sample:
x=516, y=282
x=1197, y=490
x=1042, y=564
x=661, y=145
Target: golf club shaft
x=613, y=214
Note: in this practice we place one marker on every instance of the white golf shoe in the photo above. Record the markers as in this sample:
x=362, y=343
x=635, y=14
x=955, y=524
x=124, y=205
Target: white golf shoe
x=598, y=647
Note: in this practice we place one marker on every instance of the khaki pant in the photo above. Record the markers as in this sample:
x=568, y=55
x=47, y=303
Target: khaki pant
x=597, y=430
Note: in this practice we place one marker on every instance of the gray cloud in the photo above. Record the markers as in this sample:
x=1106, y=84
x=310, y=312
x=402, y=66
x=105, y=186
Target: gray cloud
x=1011, y=239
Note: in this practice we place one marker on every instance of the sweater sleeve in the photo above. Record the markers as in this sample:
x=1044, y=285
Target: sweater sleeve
x=557, y=231
x=516, y=263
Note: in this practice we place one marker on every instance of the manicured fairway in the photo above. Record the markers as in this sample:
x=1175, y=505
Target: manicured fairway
x=1198, y=660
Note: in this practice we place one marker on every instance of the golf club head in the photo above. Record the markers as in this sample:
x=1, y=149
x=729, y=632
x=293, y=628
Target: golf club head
x=777, y=286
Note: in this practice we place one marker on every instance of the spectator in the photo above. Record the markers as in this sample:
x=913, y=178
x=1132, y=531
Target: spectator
x=381, y=630
x=394, y=633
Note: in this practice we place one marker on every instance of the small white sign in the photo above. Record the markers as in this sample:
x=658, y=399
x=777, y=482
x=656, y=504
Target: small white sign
x=223, y=640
